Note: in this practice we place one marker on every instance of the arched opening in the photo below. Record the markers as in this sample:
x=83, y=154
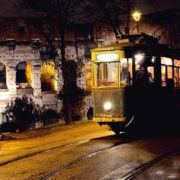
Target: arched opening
x=24, y=75
x=3, y=76
x=48, y=76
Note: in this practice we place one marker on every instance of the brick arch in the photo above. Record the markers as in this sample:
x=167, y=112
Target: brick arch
x=2, y=62
x=25, y=61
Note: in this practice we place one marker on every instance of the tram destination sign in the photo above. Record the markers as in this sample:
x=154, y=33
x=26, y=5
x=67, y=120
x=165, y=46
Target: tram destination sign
x=107, y=57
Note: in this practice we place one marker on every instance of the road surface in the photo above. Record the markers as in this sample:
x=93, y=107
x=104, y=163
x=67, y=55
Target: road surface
x=89, y=152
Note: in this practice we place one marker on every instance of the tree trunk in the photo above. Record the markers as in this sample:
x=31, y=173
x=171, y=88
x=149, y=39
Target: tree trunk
x=66, y=99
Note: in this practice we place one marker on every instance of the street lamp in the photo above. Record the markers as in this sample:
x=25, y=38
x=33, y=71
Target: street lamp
x=137, y=16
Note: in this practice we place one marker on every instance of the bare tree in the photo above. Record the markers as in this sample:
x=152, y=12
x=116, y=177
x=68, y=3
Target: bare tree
x=116, y=13
x=58, y=13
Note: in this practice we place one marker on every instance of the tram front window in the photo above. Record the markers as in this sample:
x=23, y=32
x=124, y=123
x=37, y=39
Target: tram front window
x=107, y=74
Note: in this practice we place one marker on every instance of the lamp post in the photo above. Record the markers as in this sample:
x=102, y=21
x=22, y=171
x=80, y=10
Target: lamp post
x=137, y=16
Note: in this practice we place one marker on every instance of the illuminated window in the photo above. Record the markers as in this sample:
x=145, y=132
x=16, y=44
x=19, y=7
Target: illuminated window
x=48, y=76
x=176, y=77
x=150, y=71
x=2, y=76
x=163, y=76
x=130, y=70
x=107, y=74
x=177, y=63
x=166, y=61
x=24, y=75
x=124, y=73
x=179, y=77
x=169, y=72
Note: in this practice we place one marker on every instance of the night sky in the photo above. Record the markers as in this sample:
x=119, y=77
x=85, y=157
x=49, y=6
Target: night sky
x=8, y=10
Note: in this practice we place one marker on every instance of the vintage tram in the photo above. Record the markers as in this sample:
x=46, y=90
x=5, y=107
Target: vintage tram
x=136, y=85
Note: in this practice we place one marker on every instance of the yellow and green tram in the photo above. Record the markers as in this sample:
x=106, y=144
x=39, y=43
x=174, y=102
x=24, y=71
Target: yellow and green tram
x=136, y=84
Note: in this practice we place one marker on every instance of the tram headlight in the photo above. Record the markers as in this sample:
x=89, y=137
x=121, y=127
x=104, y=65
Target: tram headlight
x=107, y=106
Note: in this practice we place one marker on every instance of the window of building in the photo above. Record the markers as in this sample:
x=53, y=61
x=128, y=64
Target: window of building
x=83, y=32
x=22, y=27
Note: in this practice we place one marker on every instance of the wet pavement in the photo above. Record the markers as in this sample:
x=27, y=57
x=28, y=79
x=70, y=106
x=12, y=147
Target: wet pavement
x=115, y=163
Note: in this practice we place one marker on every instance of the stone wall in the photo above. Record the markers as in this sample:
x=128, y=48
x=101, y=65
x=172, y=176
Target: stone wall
x=23, y=50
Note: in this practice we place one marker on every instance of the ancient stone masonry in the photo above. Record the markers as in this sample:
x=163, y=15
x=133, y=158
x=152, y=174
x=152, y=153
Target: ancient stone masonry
x=11, y=55
x=23, y=72
x=42, y=79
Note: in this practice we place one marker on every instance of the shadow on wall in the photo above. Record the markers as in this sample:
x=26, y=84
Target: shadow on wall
x=90, y=113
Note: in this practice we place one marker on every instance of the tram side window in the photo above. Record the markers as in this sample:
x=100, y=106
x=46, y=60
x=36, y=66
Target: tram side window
x=163, y=76
x=124, y=75
x=144, y=75
x=130, y=70
x=150, y=71
x=177, y=73
x=176, y=77
x=166, y=71
x=179, y=77
x=107, y=74
x=169, y=72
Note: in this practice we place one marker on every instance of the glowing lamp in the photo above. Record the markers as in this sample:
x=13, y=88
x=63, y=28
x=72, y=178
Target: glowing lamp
x=107, y=106
x=136, y=15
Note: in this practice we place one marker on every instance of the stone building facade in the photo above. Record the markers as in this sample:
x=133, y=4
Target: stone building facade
x=20, y=45
x=25, y=73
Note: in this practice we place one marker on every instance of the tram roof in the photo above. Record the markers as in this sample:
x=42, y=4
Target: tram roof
x=114, y=46
x=125, y=41
x=131, y=43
